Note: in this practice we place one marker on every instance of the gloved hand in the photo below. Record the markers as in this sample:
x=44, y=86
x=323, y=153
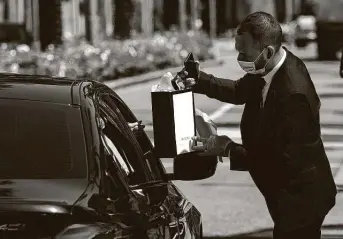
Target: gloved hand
x=193, y=69
x=218, y=145
x=188, y=76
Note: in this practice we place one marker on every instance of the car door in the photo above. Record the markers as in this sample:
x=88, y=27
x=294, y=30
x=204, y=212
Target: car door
x=119, y=140
x=185, y=219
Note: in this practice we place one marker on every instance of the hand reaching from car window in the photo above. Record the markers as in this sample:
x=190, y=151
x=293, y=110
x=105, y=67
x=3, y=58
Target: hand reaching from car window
x=136, y=127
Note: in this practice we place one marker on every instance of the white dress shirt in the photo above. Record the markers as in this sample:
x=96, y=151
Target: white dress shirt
x=269, y=77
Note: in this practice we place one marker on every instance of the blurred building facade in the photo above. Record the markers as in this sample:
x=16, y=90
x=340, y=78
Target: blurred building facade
x=51, y=20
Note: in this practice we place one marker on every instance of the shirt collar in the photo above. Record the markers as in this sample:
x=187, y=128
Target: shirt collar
x=268, y=78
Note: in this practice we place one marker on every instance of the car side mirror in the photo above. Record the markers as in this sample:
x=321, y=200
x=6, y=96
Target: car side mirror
x=194, y=166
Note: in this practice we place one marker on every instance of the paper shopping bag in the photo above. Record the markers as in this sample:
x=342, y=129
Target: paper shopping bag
x=174, y=122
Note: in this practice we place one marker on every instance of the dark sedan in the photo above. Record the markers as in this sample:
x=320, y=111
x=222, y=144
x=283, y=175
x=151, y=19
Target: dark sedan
x=71, y=167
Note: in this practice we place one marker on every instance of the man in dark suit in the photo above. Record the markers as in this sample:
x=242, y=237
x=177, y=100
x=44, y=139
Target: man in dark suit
x=280, y=127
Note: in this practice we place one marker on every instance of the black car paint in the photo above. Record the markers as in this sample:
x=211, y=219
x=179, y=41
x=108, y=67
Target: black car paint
x=128, y=215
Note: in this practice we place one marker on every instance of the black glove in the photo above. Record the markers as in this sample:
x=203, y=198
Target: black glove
x=218, y=145
x=188, y=76
x=193, y=69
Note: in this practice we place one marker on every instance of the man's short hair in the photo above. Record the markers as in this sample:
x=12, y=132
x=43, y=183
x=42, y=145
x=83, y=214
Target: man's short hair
x=264, y=29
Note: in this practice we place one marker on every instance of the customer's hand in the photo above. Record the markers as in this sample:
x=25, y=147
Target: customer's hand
x=218, y=145
x=136, y=127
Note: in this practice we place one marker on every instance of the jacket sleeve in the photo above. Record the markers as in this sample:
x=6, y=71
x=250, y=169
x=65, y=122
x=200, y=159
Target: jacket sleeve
x=225, y=90
x=297, y=138
x=239, y=159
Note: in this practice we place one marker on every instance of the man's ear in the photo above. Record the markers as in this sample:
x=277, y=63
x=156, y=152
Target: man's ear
x=270, y=51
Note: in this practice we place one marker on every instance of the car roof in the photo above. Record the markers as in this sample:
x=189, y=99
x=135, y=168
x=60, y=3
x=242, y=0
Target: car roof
x=39, y=88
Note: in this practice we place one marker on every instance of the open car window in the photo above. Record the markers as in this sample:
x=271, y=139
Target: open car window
x=153, y=164
x=120, y=146
x=121, y=158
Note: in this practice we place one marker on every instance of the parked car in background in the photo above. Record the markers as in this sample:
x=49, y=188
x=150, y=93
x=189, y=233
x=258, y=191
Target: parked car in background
x=72, y=167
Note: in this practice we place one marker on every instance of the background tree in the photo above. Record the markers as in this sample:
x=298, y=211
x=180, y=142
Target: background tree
x=50, y=22
x=123, y=13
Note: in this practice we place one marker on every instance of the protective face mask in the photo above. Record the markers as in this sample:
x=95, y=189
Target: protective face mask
x=250, y=67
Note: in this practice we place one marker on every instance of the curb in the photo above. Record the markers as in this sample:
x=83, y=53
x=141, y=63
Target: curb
x=143, y=78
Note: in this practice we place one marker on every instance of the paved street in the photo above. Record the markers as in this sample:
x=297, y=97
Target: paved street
x=229, y=201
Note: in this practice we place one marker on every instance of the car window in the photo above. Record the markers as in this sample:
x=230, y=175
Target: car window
x=120, y=157
x=119, y=144
x=41, y=140
x=154, y=166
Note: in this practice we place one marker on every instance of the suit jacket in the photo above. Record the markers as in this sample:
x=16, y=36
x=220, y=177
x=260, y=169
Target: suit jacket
x=284, y=153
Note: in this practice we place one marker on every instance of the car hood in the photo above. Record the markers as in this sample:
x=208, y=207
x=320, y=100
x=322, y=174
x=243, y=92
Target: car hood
x=65, y=191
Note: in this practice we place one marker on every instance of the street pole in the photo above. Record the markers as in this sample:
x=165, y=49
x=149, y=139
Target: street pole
x=76, y=22
x=13, y=10
x=101, y=20
x=94, y=21
x=158, y=18
x=88, y=22
x=2, y=11
x=35, y=24
x=147, y=11
x=213, y=18
x=109, y=17
x=182, y=14
x=21, y=11
x=194, y=13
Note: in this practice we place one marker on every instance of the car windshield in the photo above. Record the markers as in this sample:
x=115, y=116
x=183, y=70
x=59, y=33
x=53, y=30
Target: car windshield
x=41, y=141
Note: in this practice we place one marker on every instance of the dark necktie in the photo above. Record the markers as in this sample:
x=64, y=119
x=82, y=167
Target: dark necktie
x=259, y=100
x=261, y=84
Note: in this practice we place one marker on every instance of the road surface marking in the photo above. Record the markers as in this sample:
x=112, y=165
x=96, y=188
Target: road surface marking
x=221, y=111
